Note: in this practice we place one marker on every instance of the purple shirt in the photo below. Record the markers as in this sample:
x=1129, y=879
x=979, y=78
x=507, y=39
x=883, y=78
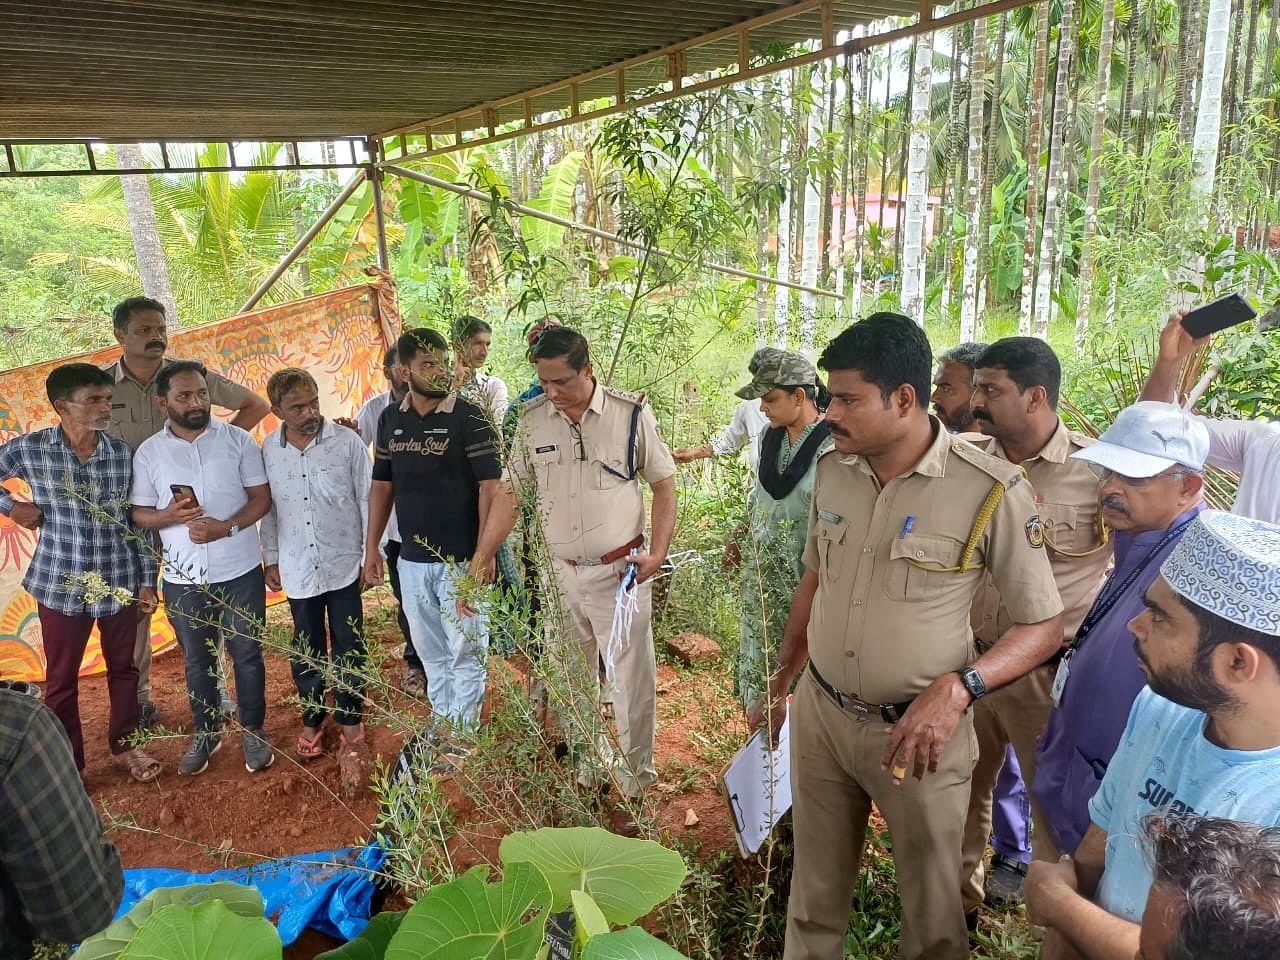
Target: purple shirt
x=1085, y=727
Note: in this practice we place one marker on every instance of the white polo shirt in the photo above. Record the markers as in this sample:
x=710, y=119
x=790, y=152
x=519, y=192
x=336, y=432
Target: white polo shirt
x=367, y=421
x=219, y=464
x=319, y=509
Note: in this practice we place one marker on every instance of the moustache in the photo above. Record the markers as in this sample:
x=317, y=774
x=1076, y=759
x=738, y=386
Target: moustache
x=1114, y=504
x=155, y=343
x=981, y=414
x=841, y=431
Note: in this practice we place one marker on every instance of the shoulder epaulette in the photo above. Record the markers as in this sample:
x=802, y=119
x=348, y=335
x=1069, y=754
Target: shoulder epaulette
x=533, y=403
x=1010, y=474
x=627, y=395
x=1081, y=440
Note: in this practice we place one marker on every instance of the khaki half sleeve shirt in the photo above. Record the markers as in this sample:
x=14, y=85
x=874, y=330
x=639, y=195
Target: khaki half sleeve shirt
x=1066, y=495
x=586, y=475
x=891, y=613
x=135, y=415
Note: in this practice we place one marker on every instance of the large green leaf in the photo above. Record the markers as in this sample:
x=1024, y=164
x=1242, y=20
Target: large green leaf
x=588, y=920
x=372, y=942
x=626, y=877
x=207, y=931
x=556, y=198
x=241, y=900
x=470, y=919
x=633, y=943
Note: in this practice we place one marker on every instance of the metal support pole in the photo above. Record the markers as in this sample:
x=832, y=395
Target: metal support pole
x=301, y=245
x=379, y=220
x=603, y=234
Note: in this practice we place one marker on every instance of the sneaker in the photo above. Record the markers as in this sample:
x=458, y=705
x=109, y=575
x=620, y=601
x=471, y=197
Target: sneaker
x=1004, y=880
x=258, y=754
x=415, y=682
x=196, y=759
x=148, y=715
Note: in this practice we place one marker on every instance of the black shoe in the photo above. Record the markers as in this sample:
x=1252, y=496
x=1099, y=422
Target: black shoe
x=971, y=920
x=1004, y=881
x=258, y=754
x=148, y=715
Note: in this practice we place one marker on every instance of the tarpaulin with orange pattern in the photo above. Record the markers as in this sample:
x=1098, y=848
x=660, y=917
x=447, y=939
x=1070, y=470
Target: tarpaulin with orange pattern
x=338, y=337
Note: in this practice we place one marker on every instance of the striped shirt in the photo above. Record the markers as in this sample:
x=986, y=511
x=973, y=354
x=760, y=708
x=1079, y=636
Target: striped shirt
x=86, y=528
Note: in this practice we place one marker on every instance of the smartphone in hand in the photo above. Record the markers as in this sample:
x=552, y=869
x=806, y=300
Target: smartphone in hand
x=184, y=491
x=1231, y=310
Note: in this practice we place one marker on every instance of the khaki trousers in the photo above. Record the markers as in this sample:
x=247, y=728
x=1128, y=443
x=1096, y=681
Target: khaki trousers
x=835, y=778
x=142, y=657
x=589, y=595
x=1017, y=715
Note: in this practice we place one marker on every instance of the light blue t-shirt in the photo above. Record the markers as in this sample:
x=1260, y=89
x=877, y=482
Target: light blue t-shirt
x=1165, y=765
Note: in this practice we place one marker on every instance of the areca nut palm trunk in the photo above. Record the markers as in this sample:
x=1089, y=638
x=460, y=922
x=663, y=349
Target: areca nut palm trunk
x=153, y=270
x=854, y=302
x=913, y=244
x=977, y=125
x=1097, y=141
x=1052, y=193
x=1204, y=148
x=782, y=263
x=989, y=168
x=1035, y=123
x=811, y=238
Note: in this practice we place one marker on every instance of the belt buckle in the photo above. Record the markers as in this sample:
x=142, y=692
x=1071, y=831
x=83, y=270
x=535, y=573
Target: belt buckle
x=857, y=706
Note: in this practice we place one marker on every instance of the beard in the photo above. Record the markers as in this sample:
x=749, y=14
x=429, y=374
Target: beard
x=432, y=390
x=309, y=428
x=1192, y=687
x=192, y=419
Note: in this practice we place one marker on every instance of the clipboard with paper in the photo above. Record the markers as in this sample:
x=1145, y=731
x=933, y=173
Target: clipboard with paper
x=757, y=786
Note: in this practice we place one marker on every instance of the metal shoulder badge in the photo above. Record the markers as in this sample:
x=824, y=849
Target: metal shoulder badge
x=1035, y=531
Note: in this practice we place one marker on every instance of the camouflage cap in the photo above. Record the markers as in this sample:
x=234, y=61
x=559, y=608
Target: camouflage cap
x=777, y=368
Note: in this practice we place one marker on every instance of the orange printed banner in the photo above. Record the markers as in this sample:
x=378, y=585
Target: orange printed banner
x=338, y=337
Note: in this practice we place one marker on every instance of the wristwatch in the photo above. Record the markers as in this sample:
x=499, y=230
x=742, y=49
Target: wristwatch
x=973, y=682
x=235, y=528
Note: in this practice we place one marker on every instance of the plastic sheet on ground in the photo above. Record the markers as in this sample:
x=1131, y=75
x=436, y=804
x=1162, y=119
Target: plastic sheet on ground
x=331, y=890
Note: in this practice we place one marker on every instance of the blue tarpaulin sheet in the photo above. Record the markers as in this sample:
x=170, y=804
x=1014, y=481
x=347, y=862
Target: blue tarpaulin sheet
x=331, y=890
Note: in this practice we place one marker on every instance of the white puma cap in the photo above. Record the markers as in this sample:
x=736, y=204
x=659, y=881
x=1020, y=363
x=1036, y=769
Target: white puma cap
x=1149, y=438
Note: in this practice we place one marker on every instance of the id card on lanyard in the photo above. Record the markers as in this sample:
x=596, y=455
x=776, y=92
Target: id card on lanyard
x=1101, y=607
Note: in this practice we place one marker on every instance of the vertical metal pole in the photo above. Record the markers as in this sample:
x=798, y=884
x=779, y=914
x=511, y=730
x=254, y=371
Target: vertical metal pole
x=380, y=224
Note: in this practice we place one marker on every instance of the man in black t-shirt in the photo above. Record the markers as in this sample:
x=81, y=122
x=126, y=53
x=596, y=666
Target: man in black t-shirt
x=436, y=459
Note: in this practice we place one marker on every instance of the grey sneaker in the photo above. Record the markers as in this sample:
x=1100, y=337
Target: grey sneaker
x=258, y=754
x=196, y=759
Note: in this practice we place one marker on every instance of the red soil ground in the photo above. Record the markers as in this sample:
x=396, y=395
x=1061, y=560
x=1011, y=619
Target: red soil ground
x=229, y=817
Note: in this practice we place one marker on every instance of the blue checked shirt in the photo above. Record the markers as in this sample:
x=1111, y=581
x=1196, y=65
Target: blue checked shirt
x=86, y=526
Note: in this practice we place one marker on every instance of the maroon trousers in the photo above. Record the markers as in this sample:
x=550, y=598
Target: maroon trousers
x=65, y=638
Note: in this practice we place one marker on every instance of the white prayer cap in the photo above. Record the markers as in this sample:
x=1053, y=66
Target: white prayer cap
x=1230, y=566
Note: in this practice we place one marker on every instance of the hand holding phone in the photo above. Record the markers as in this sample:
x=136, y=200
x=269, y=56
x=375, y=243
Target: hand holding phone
x=1227, y=312
x=184, y=491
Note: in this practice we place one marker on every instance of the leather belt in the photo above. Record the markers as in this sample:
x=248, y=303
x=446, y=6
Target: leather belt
x=888, y=712
x=613, y=555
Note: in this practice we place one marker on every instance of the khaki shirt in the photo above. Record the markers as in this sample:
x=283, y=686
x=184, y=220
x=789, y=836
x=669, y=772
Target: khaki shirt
x=1066, y=493
x=135, y=415
x=883, y=628
x=587, y=506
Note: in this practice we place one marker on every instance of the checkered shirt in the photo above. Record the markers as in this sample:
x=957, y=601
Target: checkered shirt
x=86, y=526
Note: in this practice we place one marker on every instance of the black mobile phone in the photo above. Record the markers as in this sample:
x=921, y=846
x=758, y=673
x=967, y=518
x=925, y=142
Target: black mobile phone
x=1231, y=310
x=184, y=491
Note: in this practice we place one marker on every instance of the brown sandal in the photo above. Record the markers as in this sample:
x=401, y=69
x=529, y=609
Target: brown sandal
x=141, y=767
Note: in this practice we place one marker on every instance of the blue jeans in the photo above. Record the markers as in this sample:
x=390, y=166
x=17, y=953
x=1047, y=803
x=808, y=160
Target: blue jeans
x=454, y=650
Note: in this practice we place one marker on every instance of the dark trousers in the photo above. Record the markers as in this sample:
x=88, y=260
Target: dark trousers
x=345, y=650
x=392, y=552
x=234, y=611
x=65, y=638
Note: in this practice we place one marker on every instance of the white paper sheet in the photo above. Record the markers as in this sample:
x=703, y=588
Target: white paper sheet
x=757, y=786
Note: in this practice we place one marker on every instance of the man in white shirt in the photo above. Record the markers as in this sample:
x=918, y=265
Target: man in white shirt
x=743, y=430
x=1250, y=448
x=201, y=483
x=415, y=678
x=319, y=474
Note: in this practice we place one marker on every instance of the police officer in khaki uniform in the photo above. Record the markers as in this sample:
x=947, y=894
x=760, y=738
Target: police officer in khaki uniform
x=906, y=521
x=1015, y=404
x=581, y=447
x=140, y=328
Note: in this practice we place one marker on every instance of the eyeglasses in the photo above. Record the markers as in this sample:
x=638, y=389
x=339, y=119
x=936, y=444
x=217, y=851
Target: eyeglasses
x=1104, y=474
x=579, y=448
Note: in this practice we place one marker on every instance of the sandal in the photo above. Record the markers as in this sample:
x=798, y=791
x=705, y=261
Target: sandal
x=309, y=747
x=141, y=767
x=353, y=763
